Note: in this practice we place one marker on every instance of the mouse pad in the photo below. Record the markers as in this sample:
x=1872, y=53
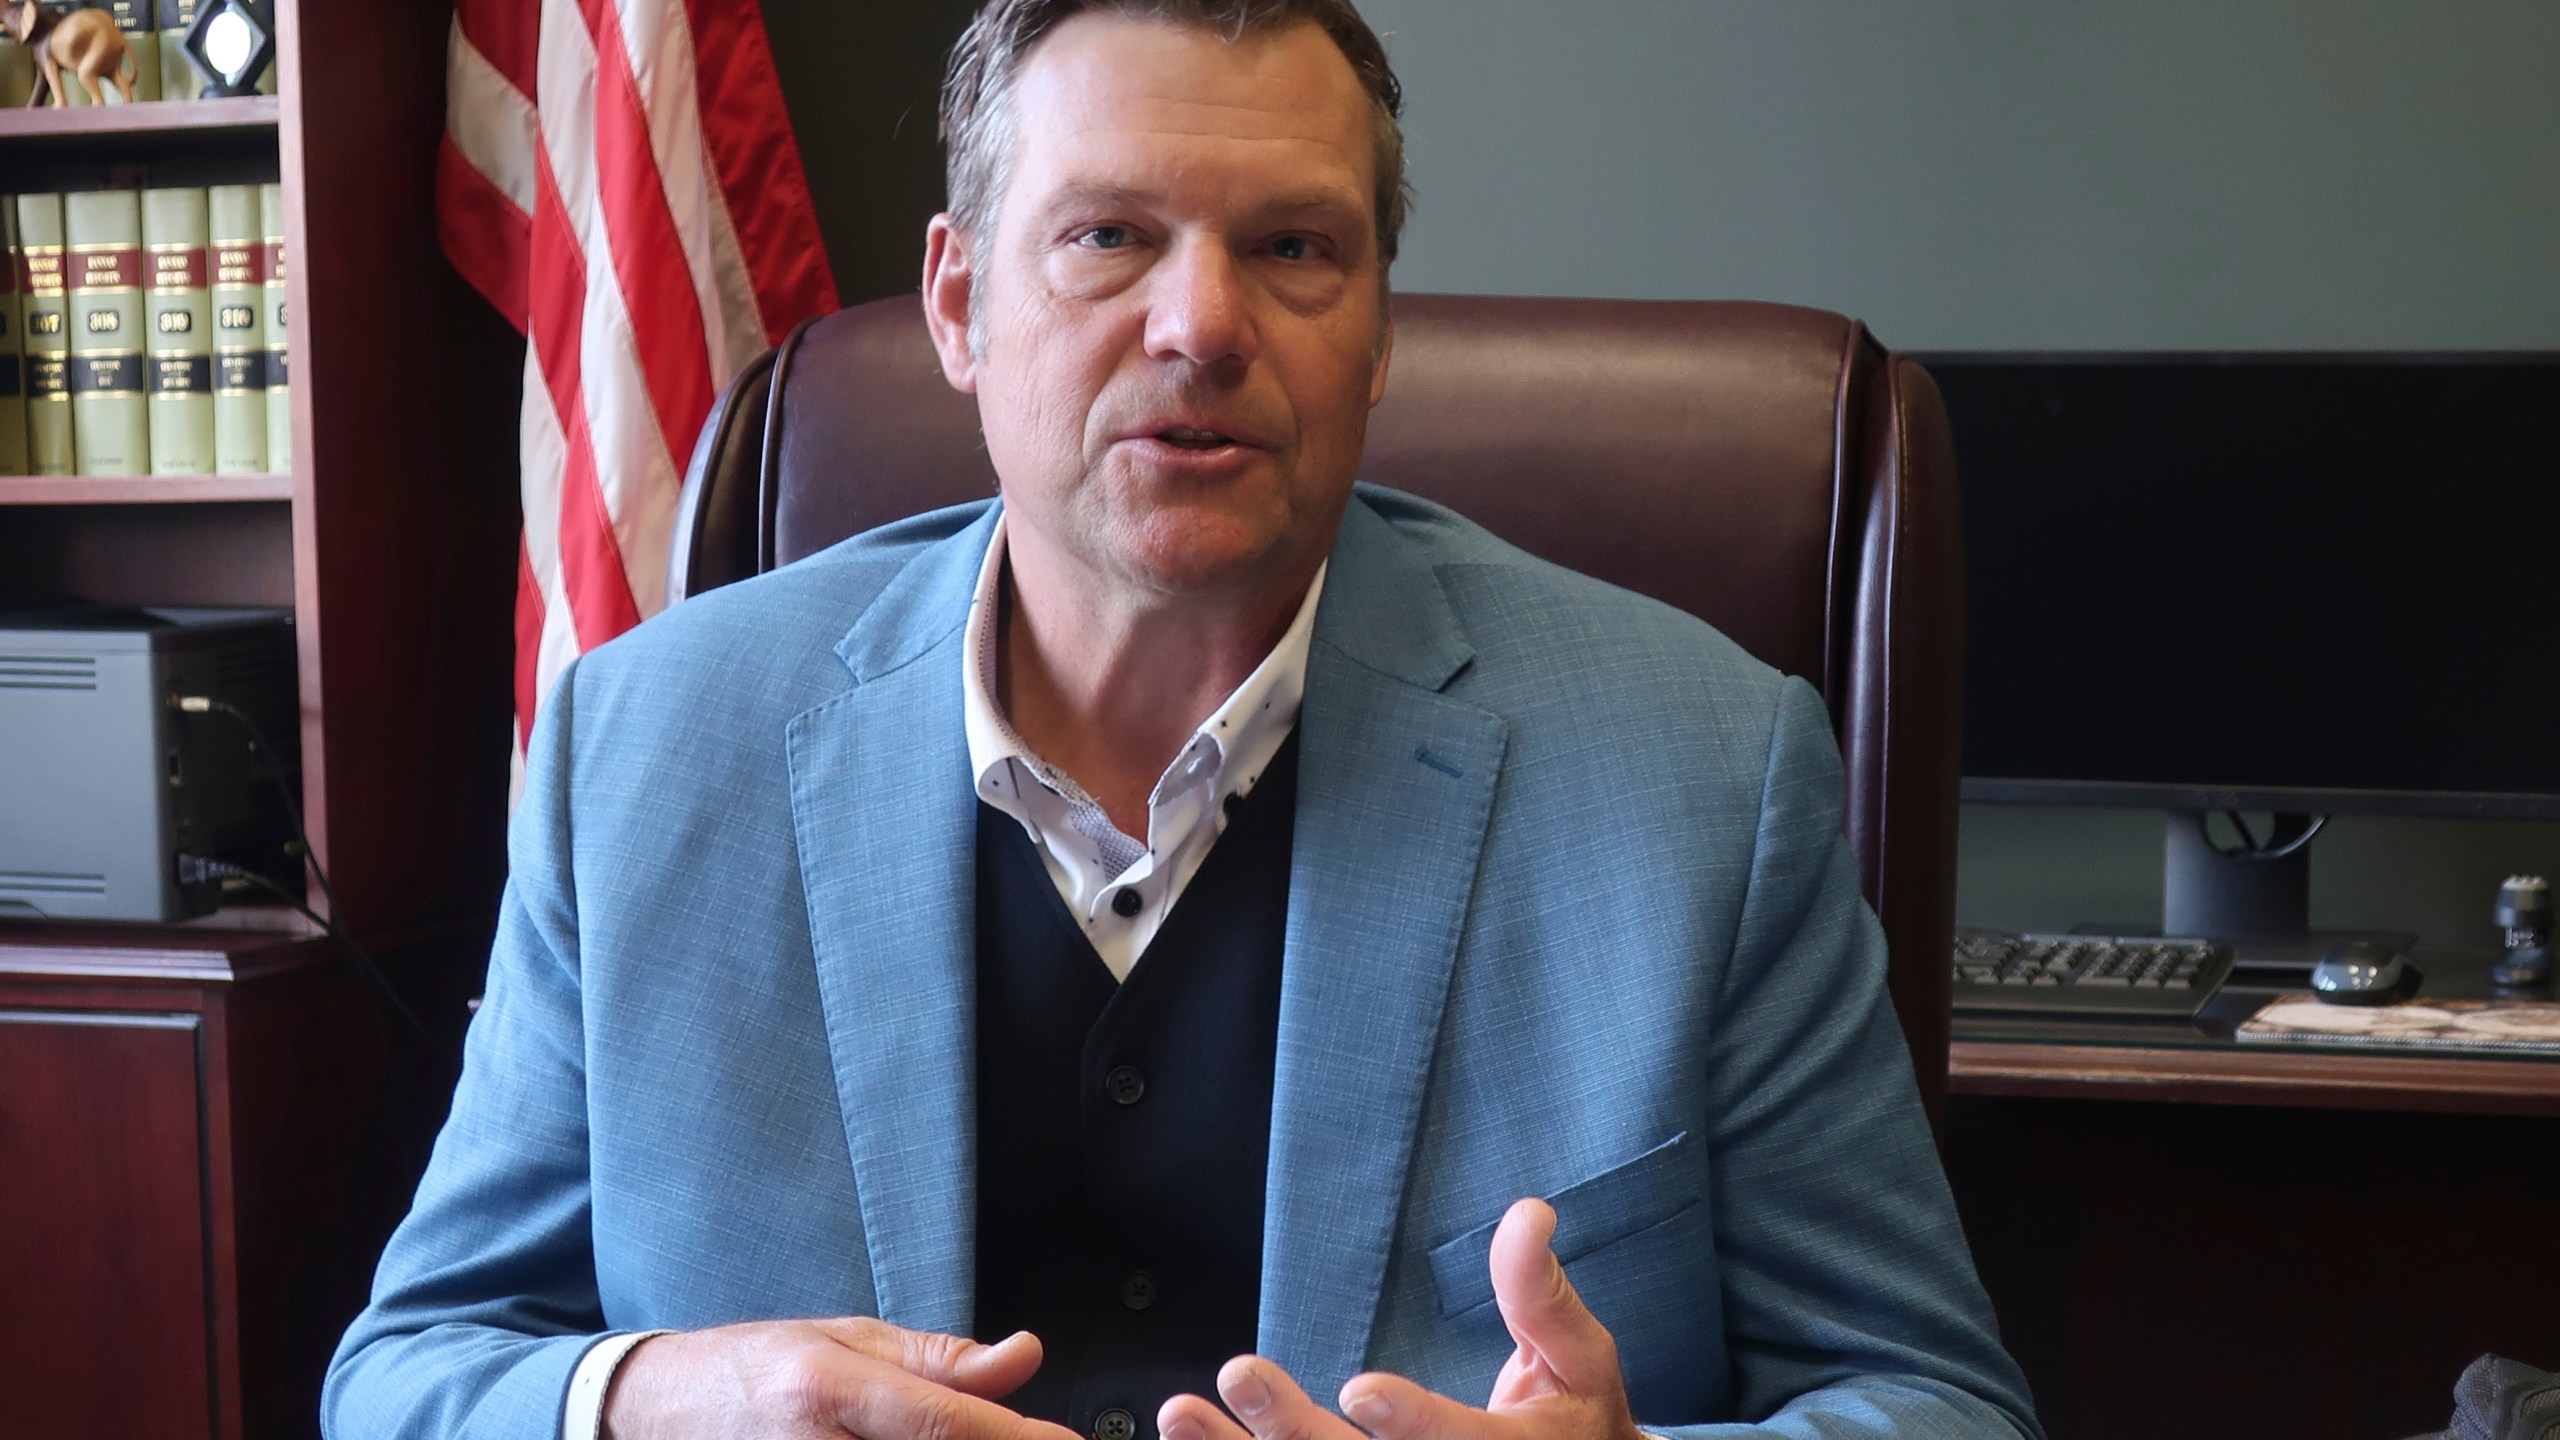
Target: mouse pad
x=2522, y=1027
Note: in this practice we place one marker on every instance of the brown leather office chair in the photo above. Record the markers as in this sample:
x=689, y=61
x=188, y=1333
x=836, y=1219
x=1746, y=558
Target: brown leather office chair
x=1772, y=470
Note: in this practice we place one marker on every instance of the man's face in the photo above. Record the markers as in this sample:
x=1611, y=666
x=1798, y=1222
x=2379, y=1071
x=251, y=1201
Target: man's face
x=1181, y=302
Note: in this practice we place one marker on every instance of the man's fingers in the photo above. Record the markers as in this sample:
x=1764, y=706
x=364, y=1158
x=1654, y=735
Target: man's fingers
x=1394, y=1408
x=1540, y=1306
x=989, y=1372
x=1273, y=1407
x=1188, y=1417
x=894, y=1405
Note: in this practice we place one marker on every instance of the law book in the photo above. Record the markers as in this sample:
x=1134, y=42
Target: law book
x=180, y=301
x=13, y=385
x=17, y=73
x=271, y=312
x=239, y=331
x=140, y=22
x=45, y=330
x=179, y=78
x=110, y=418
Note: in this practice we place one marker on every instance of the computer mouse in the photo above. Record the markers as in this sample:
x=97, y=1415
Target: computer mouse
x=2360, y=972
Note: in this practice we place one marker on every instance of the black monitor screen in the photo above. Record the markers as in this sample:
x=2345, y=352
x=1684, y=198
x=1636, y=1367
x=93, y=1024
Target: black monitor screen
x=2249, y=575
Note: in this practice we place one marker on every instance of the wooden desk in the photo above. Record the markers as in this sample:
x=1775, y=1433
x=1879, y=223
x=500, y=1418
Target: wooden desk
x=2201, y=1064
x=206, y=1130
x=2187, y=1236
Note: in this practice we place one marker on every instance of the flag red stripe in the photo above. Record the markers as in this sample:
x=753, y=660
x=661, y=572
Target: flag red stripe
x=748, y=133
x=508, y=34
x=591, y=573
x=528, y=636
x=648, y=257
x=484, y=234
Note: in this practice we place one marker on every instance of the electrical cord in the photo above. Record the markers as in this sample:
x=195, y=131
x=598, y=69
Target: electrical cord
x=195, y=869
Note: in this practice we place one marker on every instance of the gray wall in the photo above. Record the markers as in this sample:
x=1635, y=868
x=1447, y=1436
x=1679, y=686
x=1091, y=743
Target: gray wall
x=2003, y=174
x=2029, y=174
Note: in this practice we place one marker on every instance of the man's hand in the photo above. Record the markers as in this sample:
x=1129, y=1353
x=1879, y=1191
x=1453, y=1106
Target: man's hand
x=1561, y=1382
x=806, y=1379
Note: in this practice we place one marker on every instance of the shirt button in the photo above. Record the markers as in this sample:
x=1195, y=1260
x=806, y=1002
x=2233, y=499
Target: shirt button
x=1127, y=904
x=1115, y=1424
x=1124, y=1085
x=1138, y=1290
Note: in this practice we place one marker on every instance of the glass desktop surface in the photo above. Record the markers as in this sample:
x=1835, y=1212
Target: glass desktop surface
x=2450, y=975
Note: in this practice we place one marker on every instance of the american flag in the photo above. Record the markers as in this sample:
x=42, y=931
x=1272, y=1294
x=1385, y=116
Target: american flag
x=619, y=178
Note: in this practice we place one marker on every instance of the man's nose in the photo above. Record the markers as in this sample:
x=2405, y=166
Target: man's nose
x=1198, y=307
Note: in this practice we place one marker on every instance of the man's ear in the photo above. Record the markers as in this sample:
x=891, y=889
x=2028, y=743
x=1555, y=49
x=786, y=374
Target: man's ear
x=948, y=269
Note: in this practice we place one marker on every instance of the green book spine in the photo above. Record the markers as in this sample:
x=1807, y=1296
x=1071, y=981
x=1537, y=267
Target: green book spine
x=179, y=78
x=239, y=331
x=271, y=311
x=45, y=329
x=13, y=384
x=109, y=324
x=17, y=73
x=174, y=236
x=140, y=22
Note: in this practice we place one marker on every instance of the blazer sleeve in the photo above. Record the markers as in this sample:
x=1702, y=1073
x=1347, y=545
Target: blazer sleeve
x=1851, y=1304
x=486, y=1296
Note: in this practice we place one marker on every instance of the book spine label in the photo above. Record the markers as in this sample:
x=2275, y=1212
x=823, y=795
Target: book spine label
x=179, y=79
x=13, y=382
x=140, y=22
x=239, y=331
x=45, y=331
x=272, y=314
x=109, y=327
x=174, y=227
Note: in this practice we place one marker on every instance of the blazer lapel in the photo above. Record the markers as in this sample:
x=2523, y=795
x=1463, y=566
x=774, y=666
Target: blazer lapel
x=1395, y=789
x=885, y=817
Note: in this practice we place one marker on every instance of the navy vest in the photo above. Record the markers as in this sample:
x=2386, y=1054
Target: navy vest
x=1124, y=1128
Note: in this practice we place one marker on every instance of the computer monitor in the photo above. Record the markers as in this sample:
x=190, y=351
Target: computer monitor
x=2306, y=584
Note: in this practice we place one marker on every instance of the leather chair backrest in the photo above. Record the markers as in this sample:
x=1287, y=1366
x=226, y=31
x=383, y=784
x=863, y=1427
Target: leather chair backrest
x=1770, y=469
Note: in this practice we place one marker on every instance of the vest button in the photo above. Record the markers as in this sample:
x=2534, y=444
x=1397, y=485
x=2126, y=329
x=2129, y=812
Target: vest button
x=1138, y=1290
x=1115, y=1424
x=1124, y=1085
x=1128, y=903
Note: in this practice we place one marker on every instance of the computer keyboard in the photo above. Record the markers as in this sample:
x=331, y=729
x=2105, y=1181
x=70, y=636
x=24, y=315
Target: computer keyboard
x=2086, y=974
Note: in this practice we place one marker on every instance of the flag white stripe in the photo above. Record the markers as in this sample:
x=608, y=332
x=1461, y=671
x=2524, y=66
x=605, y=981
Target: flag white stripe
x=661, y=50
x=545, y=455
x=491, y=122
x=638, y=478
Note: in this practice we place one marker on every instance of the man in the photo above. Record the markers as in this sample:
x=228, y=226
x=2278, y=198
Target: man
x=1177, y=912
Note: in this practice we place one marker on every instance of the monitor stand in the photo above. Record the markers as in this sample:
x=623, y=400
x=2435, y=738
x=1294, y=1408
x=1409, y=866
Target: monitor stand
x=2258, y=904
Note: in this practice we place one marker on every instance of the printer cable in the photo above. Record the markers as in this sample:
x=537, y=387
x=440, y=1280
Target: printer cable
x=194, y=869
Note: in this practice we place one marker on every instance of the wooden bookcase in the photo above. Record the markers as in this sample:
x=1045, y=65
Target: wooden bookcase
x=206, y=1128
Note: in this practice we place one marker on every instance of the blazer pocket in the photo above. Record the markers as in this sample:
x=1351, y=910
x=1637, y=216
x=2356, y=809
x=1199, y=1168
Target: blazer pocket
x=1590, y=1213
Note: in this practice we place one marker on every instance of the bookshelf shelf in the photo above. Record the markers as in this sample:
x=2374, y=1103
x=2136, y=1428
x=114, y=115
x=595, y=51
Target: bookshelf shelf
x=249, y=114
x=141, y=489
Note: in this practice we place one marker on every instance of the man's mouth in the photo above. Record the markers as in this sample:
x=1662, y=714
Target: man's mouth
x=1188, y=439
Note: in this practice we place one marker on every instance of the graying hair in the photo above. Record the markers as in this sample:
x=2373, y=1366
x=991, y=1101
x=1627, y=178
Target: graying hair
x=977, y=90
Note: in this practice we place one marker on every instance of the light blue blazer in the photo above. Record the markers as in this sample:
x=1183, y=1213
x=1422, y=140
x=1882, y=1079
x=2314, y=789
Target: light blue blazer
x=1569, y=915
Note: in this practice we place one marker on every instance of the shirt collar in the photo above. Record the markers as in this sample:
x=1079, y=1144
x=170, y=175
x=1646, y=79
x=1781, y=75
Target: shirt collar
x=1246, y=729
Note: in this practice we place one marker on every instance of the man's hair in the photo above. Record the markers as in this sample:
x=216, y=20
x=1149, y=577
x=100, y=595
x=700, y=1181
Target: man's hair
x=977, y=91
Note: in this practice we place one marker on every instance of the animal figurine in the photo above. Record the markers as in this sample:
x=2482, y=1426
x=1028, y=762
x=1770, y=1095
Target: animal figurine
x=84, y=42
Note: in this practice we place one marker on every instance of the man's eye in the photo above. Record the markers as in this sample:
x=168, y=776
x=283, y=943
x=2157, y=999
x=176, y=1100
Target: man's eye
x=1292, y=247
x=1107, y=237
